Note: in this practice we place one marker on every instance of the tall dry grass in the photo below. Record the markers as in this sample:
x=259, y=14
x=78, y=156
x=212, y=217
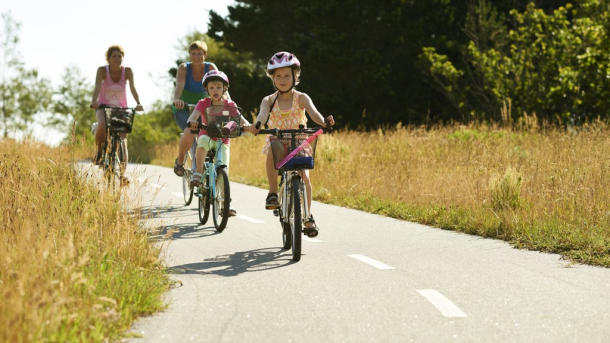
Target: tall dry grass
x=542, y=188
x=74, y=266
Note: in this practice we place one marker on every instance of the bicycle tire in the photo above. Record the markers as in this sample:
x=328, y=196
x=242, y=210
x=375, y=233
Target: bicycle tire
x=187, y=189
x=122, y=157
x=286, y=233
x=294, y=218
x=222, y=200
x=204, y=201
x=111, y=169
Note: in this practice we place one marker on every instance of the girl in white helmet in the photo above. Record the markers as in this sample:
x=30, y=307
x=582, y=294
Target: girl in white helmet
x=285, y=109
x=216, y=84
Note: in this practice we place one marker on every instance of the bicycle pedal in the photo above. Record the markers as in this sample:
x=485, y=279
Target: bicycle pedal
x=272, y=207
x=276, y=212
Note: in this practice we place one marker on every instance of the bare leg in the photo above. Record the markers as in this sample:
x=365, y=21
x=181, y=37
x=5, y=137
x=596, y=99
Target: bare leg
x=186, y=142
x=200, y=153
x=100, y=132
x=271, y=173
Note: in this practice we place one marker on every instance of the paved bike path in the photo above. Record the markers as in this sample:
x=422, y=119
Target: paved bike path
x=366, y=278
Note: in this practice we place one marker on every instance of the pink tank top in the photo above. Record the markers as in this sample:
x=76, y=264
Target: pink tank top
x=113, y=93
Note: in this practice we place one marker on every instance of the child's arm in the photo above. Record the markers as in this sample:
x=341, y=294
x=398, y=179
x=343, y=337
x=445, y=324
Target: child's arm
x=306, y=102
x=263, y=114
x=193, y=118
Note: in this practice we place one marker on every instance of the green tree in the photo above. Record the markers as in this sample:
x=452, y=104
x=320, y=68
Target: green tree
x=72, y=100
x=360, y=58
x=23, y=93
x=555, y=65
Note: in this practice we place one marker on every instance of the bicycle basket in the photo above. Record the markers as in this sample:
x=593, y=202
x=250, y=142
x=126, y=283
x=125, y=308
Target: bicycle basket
x=281, y=147
x=223, y=121
x=119, y=120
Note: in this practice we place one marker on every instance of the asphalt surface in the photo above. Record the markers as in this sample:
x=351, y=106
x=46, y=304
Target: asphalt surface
x=365, y=278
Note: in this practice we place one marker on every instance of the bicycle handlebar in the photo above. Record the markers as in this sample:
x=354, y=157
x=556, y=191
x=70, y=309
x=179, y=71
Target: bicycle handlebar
x=201, y=126
x=301, y=129
x=103, y=106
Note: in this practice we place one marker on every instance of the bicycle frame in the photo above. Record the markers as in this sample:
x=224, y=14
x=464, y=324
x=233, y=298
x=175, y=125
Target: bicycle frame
x=294, y=208
x=115, y=154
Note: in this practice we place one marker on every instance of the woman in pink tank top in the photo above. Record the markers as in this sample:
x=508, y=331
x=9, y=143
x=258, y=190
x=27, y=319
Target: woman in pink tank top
x=110, y=89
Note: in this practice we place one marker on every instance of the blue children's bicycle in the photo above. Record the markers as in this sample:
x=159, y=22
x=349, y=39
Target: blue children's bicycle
x=214, y=190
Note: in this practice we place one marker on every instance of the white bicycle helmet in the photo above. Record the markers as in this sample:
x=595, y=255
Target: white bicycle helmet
x=283, y=59
x=215, y=75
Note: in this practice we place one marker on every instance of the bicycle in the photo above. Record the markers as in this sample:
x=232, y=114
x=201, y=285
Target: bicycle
x=189, y=160
x=222, y=122
x=119, y=122
x=293, y=152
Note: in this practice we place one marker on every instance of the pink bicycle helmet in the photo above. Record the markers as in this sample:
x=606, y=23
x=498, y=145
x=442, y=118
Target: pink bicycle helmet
x=283, y=59
x=215, y=75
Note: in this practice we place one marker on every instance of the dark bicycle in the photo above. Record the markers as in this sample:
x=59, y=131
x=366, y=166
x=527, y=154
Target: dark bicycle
x=119, y=122
x=293, y=152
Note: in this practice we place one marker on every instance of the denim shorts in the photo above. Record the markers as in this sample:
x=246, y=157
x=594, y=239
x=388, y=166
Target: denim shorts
x=181, y=117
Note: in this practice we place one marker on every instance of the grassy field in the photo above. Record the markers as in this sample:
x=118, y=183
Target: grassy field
x=74, y=266
x=539, y=188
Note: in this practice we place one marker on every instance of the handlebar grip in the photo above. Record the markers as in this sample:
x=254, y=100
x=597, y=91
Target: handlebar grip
x=257, y=125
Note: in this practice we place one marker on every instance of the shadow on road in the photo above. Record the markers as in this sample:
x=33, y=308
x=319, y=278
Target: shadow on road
x=147, y=212
x=237, y=263
x=182, y=231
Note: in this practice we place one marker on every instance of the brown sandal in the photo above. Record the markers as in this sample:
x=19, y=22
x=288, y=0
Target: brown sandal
x=178, y=168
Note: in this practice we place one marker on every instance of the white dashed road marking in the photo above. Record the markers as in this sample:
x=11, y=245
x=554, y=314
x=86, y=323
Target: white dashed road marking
x=179, y=195
x=250, y=219
x=372, y=262
x=312, y=240
x=447, y=308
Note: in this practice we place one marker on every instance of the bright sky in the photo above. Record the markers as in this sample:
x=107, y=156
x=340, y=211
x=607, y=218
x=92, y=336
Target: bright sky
x=57, y=33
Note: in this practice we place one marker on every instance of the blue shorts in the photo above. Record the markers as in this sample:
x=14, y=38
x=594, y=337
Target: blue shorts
x=181, y=117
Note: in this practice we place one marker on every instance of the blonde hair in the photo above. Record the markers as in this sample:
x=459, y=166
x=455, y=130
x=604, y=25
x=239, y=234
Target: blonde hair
x=198, y=45
x=112, y=49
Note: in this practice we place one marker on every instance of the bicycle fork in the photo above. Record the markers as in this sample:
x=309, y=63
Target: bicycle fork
x=285, y=191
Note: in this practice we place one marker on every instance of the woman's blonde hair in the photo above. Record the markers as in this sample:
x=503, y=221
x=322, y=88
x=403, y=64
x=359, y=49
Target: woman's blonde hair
x=113, y=48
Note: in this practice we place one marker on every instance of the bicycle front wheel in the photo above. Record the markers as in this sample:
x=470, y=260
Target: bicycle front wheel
x=222, y=201
x=294, y=217
x=112, y=170
x=204, y=200
x=187, y=190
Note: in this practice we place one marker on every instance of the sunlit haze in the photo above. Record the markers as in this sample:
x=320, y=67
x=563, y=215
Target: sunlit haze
x=55, y=34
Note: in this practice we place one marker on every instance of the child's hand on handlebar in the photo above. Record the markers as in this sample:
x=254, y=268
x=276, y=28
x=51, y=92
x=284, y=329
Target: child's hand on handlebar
x=329, y=120
x=139, y=108
x=193, y=125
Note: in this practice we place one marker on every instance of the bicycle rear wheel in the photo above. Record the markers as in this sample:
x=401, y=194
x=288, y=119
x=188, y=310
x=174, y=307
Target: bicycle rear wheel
x=222, y=201
x=187, y=189
x=204, y=200
x=294, y=217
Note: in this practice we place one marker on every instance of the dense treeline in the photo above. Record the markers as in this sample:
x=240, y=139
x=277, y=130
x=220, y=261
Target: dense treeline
x=376, y=62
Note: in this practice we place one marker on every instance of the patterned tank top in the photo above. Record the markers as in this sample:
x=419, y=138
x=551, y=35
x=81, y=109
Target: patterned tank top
x=285, y=119
x=113, y=93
